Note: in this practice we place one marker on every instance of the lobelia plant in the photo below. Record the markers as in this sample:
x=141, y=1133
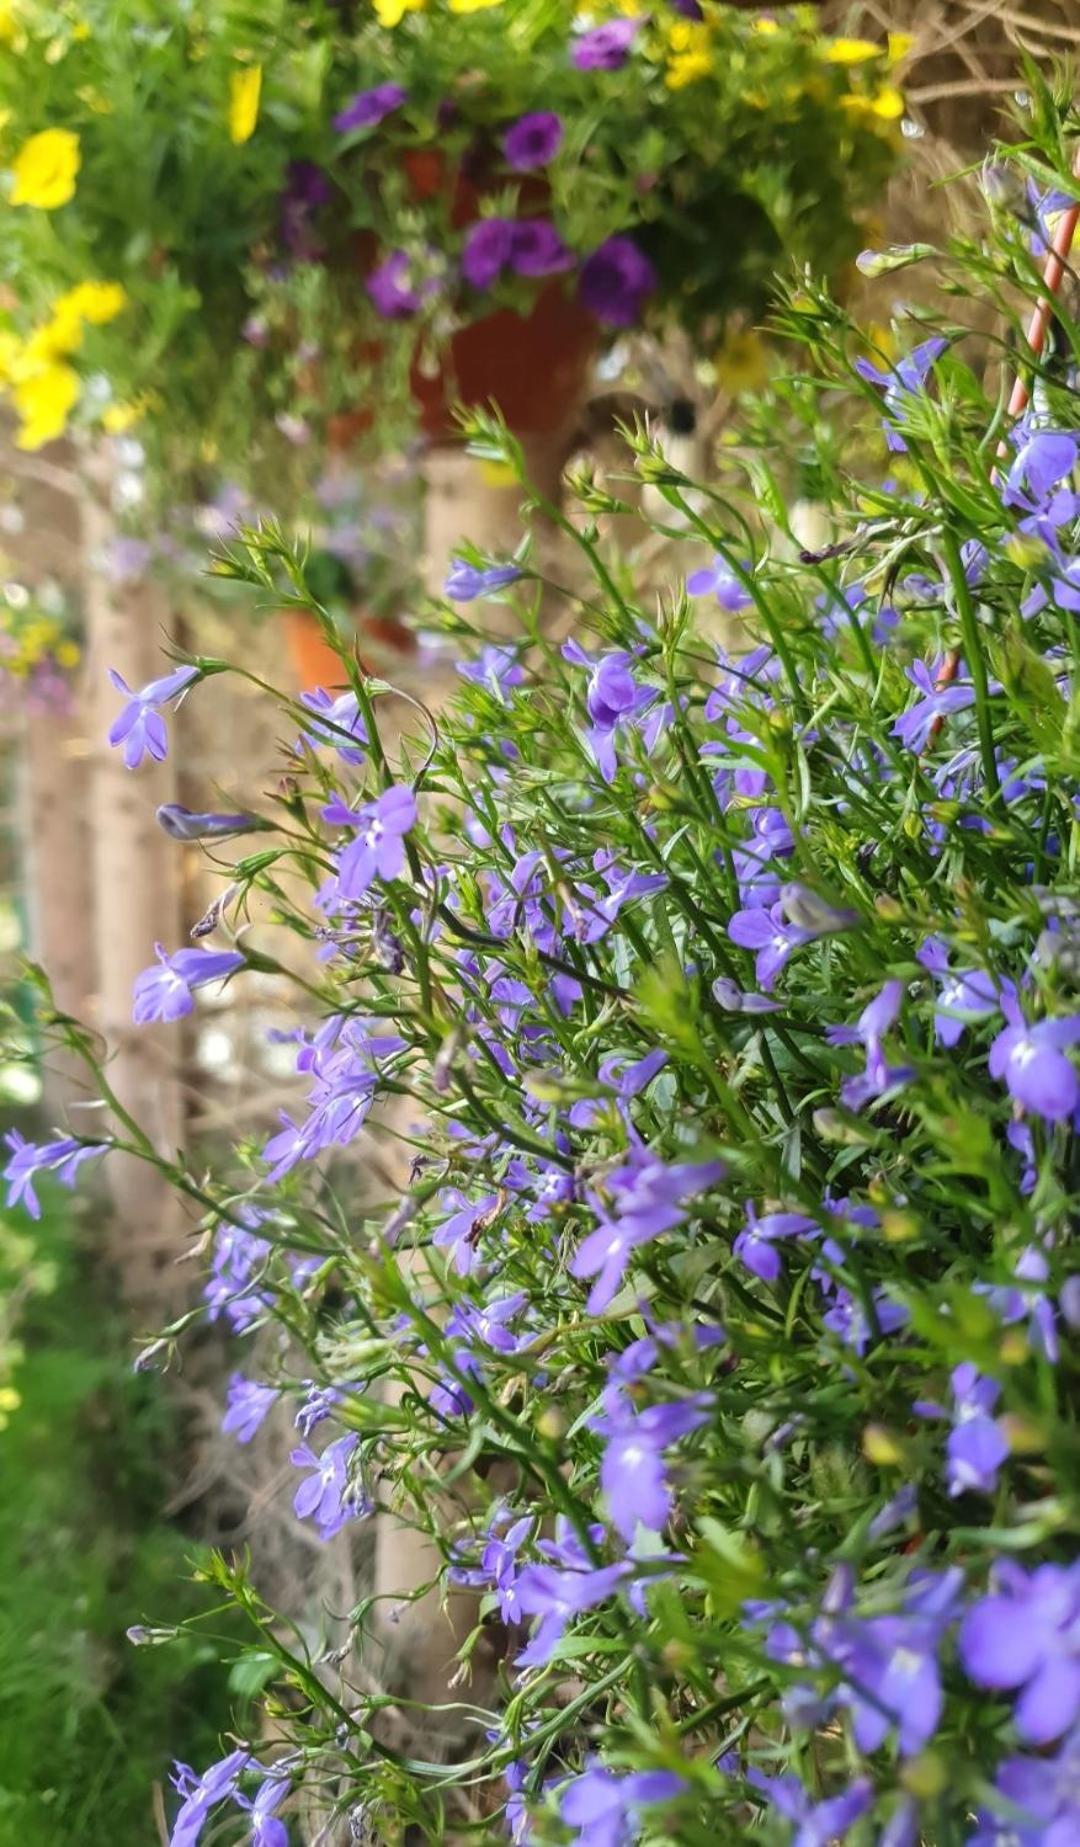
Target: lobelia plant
x=720, y=1332
x=227, y=225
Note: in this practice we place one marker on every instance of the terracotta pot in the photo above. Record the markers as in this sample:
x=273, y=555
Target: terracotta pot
x=313, y=660
x=534, y=367
x=311, y=657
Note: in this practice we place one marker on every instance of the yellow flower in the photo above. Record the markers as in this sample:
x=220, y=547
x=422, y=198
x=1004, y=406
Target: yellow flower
x=96, y=302
x=44, y=169
x=245, y=90
x=62, y=334
x=851, y=50
x=900, y=43
x=888, y=104
x=67, y=654
x=392, y=12
x=764, y=25
x=742, y=364
x=689, y=54
x=10, y=353
x=472, y=6
x=117, y=418
x=10, y=30
x=44, y=401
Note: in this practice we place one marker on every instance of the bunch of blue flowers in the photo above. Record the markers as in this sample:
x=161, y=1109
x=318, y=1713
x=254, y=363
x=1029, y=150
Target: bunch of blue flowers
x=719, y=1333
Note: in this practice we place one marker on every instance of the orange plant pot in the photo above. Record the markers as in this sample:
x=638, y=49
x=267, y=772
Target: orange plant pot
x=312, y=659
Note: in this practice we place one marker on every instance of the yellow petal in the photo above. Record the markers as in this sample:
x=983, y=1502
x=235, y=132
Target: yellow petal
x=44, y=169
x=472, y=6
x=245, y=90
x=900, y=43
x=888, y=104
x=392, y=12
x=44, y=402
x=851, y=50
x=96, y=302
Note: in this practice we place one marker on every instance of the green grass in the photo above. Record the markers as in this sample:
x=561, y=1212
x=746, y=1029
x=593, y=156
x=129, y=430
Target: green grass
x=88, y=1723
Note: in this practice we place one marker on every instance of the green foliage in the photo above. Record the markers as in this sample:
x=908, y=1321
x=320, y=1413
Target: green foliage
x=88, y=1723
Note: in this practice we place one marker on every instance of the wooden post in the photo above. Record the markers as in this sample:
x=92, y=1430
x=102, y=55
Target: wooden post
x=136, y=904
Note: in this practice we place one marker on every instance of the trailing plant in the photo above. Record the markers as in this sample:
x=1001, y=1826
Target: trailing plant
x=228, y=224
x=719, y=1333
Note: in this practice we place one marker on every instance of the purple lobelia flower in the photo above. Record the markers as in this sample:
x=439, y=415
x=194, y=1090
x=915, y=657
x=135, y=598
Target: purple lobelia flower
x=874, y=1022
x=327, y=1496
x=768, y=933
x=399, y=286
x=1025, y=1299
x=719, y=580
x=183, y=824
x=817, y=1824
x=1032, y=1062
x=247, y=1405
x=497, y=670
x=755, y=1245
x=633, y=1472
x=533, y=140
x=499, y=1565
x=602, y=1805
x=140, y=727
x=202, y=1793
x=536, y=249
x=27, y=1161
x=343, y=1061
x=1043, y=458
x=914, y=727
x=267, y=1828
x=970, y=994
x=625, y=1078
x=733, y=999
x=901, y=384
x=615, y=282
x=466, y=582
x=642, y=1199
x=1040, y=1802
x=378, y=851
x=613, y=698
x=1026, y=1637
x=235, y=1287
x=976, y=1448
x=459, y=1234
x=556, y=1596
x=342, y=722
x=370, y=107
x=167, y=992
x=606, y=47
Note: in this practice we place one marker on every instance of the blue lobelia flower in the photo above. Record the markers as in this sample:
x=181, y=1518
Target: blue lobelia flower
x=633, y=1472
x=140, y=727
x=28, y=1160
x=1031, y=1060
x=602, y=1805
x=1025, y=1637
x=247, y=1406
x=466, y=582
x=167, y=992
x=817, y=1824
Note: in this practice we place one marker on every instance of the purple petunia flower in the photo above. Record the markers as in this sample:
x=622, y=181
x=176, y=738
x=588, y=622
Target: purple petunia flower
x=606, y=47
x=370, y=107
x=1026, y=1637
x=533, y=140
x=327, y=1496
x=1032, y=1062
x=466, y=582
x=486, y=251
x=615, y=282
x=719, y=580
x=536, y=249
x=817, y=1824
x=602, y=1805
x=140, y=727
x=28, y=1160
x=248, y=1404
x=167, y=992
x=378, y=851
x=633, y=1472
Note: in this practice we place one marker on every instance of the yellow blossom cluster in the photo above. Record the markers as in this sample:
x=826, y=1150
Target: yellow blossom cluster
x=45, y=169
x=44, y=388
x=391, y=12
x=27, y=642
